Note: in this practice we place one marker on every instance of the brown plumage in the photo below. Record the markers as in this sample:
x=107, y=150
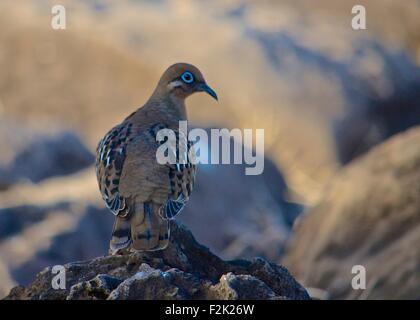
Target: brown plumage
x=143, y=194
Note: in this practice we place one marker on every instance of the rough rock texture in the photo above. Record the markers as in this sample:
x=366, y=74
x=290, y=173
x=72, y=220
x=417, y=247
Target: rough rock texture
x=185, y=270
x=370, y=216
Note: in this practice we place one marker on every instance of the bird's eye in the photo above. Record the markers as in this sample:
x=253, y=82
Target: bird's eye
x=187, y=77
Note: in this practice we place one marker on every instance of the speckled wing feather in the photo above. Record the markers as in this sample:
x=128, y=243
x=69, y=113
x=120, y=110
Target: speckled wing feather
x=181, y=178
x=114, y=149
x=111, y=154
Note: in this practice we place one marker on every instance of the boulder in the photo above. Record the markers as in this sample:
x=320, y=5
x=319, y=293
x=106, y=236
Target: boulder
x=185, y=270
x=34, y=155
x=369, y=217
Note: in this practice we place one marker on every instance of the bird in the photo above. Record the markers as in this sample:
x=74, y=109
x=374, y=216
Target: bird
x=143, y=194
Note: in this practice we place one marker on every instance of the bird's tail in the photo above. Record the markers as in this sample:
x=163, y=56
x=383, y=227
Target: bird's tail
x=121, y=235
x=145, y=230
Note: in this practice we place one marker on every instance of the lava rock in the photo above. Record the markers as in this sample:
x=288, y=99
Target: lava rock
x=185, y=270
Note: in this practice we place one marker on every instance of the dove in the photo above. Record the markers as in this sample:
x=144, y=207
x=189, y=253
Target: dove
x=143, y=194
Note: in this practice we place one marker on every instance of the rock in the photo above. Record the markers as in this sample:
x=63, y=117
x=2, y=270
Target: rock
x=88, y=238
x=243, y=287
x=328, y=93
x=60, y=154
x=257, y=208
x=370, y=216
x=99, y=287
x=149, y=283
x=185, y=270
x=257, y=217
x=15, y=220
x=34, y=155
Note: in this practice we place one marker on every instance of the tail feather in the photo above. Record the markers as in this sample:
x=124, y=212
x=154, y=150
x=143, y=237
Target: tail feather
x=148, y=230
x=144, y=230
x=121, y=235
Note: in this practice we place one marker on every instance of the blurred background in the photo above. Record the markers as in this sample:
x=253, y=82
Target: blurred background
x=341, y=185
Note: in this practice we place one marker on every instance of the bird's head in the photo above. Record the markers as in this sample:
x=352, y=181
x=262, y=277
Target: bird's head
x=182, y=80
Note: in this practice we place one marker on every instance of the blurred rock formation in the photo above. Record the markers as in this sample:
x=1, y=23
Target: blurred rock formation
x=370, y=216
x=35, y=155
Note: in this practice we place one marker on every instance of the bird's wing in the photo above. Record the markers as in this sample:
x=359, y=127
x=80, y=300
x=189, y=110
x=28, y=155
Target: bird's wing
x=111, y=155
x=181, y=178
x=126, y=167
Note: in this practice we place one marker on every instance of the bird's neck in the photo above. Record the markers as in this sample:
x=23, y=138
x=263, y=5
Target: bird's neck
x=171, y=105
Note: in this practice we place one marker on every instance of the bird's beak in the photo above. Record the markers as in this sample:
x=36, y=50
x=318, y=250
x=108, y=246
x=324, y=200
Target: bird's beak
x=204, y=87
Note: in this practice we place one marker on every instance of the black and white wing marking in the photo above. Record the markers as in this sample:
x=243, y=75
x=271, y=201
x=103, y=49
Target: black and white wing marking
x=181, y=174
x=181, y=177
x=111, y=154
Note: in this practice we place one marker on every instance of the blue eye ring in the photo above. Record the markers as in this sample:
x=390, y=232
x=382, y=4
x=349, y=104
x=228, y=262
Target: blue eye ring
x=187, y=77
